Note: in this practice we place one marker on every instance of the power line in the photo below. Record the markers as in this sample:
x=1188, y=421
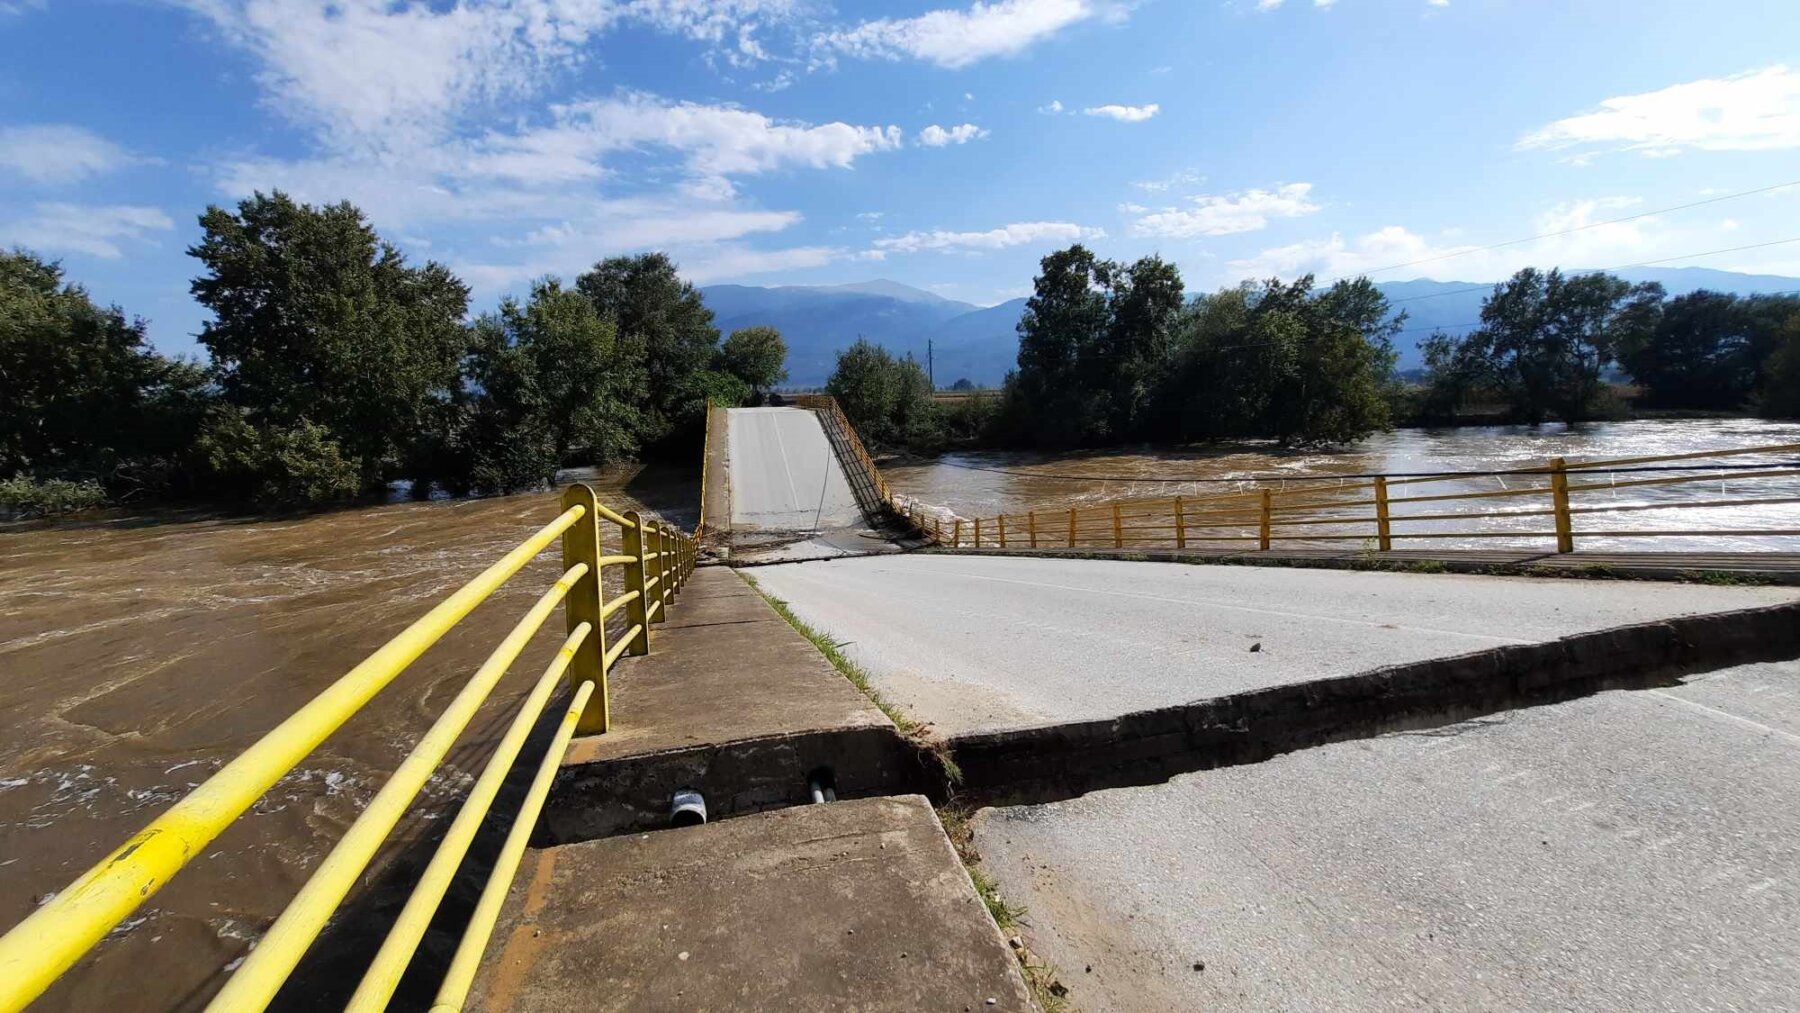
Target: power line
x=1477, y=323
x=1582, y=228
x=1620, y=267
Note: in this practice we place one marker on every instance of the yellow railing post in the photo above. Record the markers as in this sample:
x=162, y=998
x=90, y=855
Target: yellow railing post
x=978, y=532
x=1000, y=523
x=1559, y=496
x=653, y=548
x=1180, y=526
x=581, y=544
x=636, y=545
x=1384, y=535
x=667, y=587
x=1031, y=526
x=1268, y=511
x=1118, y=529
x=956, y=534
x=1071, y=527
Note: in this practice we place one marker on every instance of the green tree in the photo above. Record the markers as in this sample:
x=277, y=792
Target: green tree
x=866, y=385
x=81, y=394
x=1693, y=352
x=1284, y=361
x=755, y=355
x=1546, y=338
x=1049, y=398
x=502, y=438
x=1780, y=393
x=888, y=400
x=323, y=337
x=654, y=310
x=585, y=377
x=1094, y=345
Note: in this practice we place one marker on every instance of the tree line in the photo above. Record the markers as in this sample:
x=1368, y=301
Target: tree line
x=1547, y=341
x=336, y=367
x=1113, y=353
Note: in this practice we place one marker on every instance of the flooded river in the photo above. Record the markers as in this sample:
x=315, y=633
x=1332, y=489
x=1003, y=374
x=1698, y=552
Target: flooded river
x=990, y=483
x=138, y=655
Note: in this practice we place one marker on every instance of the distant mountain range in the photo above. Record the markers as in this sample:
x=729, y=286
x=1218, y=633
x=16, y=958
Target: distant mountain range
x=981, y=344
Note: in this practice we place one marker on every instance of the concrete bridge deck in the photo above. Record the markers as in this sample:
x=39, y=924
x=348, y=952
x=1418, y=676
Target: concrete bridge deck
x=856, y=904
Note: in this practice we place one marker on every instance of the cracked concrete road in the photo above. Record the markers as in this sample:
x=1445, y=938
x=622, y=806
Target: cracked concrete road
x=980, y=642
x=1632, y=850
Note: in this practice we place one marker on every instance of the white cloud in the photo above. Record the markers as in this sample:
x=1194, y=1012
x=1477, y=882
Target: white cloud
x=383, y=73
x=957, y=38
x=1437, y=3
x=935, y=136
x=1016, y=234
x=57, y=153
x=93, y=229
x=1124, y=114
x=1755, y=111
x=1442, y=255
x=1267, y=5
x=1186, y=177
x=1052, y=109
x=1223, y=215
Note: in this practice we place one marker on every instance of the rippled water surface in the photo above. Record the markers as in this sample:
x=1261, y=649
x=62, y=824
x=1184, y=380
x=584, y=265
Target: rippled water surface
x=986, y=484
x=137, y=655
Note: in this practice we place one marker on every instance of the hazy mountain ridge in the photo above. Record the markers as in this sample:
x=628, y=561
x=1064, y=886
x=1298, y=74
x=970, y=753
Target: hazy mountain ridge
x=981, y=343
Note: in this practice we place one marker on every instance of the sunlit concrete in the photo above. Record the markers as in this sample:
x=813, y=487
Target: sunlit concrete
x=784, y=475
x=1632, y=850
x=976, y=642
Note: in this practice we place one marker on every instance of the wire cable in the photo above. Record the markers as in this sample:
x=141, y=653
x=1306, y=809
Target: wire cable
x=1582, y=228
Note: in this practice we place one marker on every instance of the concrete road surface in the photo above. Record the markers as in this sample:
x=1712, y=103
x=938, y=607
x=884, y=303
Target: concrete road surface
x=972, y=642
x=1635, y=850
x=784, y=475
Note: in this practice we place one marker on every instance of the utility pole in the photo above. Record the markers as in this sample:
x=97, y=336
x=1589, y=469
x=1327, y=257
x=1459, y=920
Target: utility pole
x=930, y=365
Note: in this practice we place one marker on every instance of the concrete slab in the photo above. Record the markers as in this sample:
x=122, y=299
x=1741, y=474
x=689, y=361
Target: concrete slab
x=1630, y=850
x=784, y=474
x=858, y=905
x=972, y=642
x=732, y=702
x=1761, y=567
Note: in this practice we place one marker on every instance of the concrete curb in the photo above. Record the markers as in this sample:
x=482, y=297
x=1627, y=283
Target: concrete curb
x=1051, y=762
x=626, y=794
x=1549, y=566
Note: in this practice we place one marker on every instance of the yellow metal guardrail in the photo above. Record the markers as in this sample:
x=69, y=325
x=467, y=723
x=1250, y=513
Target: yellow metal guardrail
x=1366, y=508
x=835, y=421
x=656, y=560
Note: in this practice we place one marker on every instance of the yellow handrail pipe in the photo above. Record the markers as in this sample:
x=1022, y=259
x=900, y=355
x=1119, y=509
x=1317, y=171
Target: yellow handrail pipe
x=383, y=975
x=281, y=947
x=47, y=943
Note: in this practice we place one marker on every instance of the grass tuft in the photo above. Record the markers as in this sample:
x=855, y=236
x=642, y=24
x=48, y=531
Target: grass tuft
x=1041, y=977
x=858, y=677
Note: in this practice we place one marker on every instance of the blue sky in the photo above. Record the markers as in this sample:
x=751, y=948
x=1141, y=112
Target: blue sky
x=944, y=144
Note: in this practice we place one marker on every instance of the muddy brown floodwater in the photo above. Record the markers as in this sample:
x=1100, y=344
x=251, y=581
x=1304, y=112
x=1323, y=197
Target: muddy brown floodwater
x=989, y=483
x=139, y=654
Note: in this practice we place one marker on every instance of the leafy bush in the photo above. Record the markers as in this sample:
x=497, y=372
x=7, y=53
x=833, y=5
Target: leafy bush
x=23, y=496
